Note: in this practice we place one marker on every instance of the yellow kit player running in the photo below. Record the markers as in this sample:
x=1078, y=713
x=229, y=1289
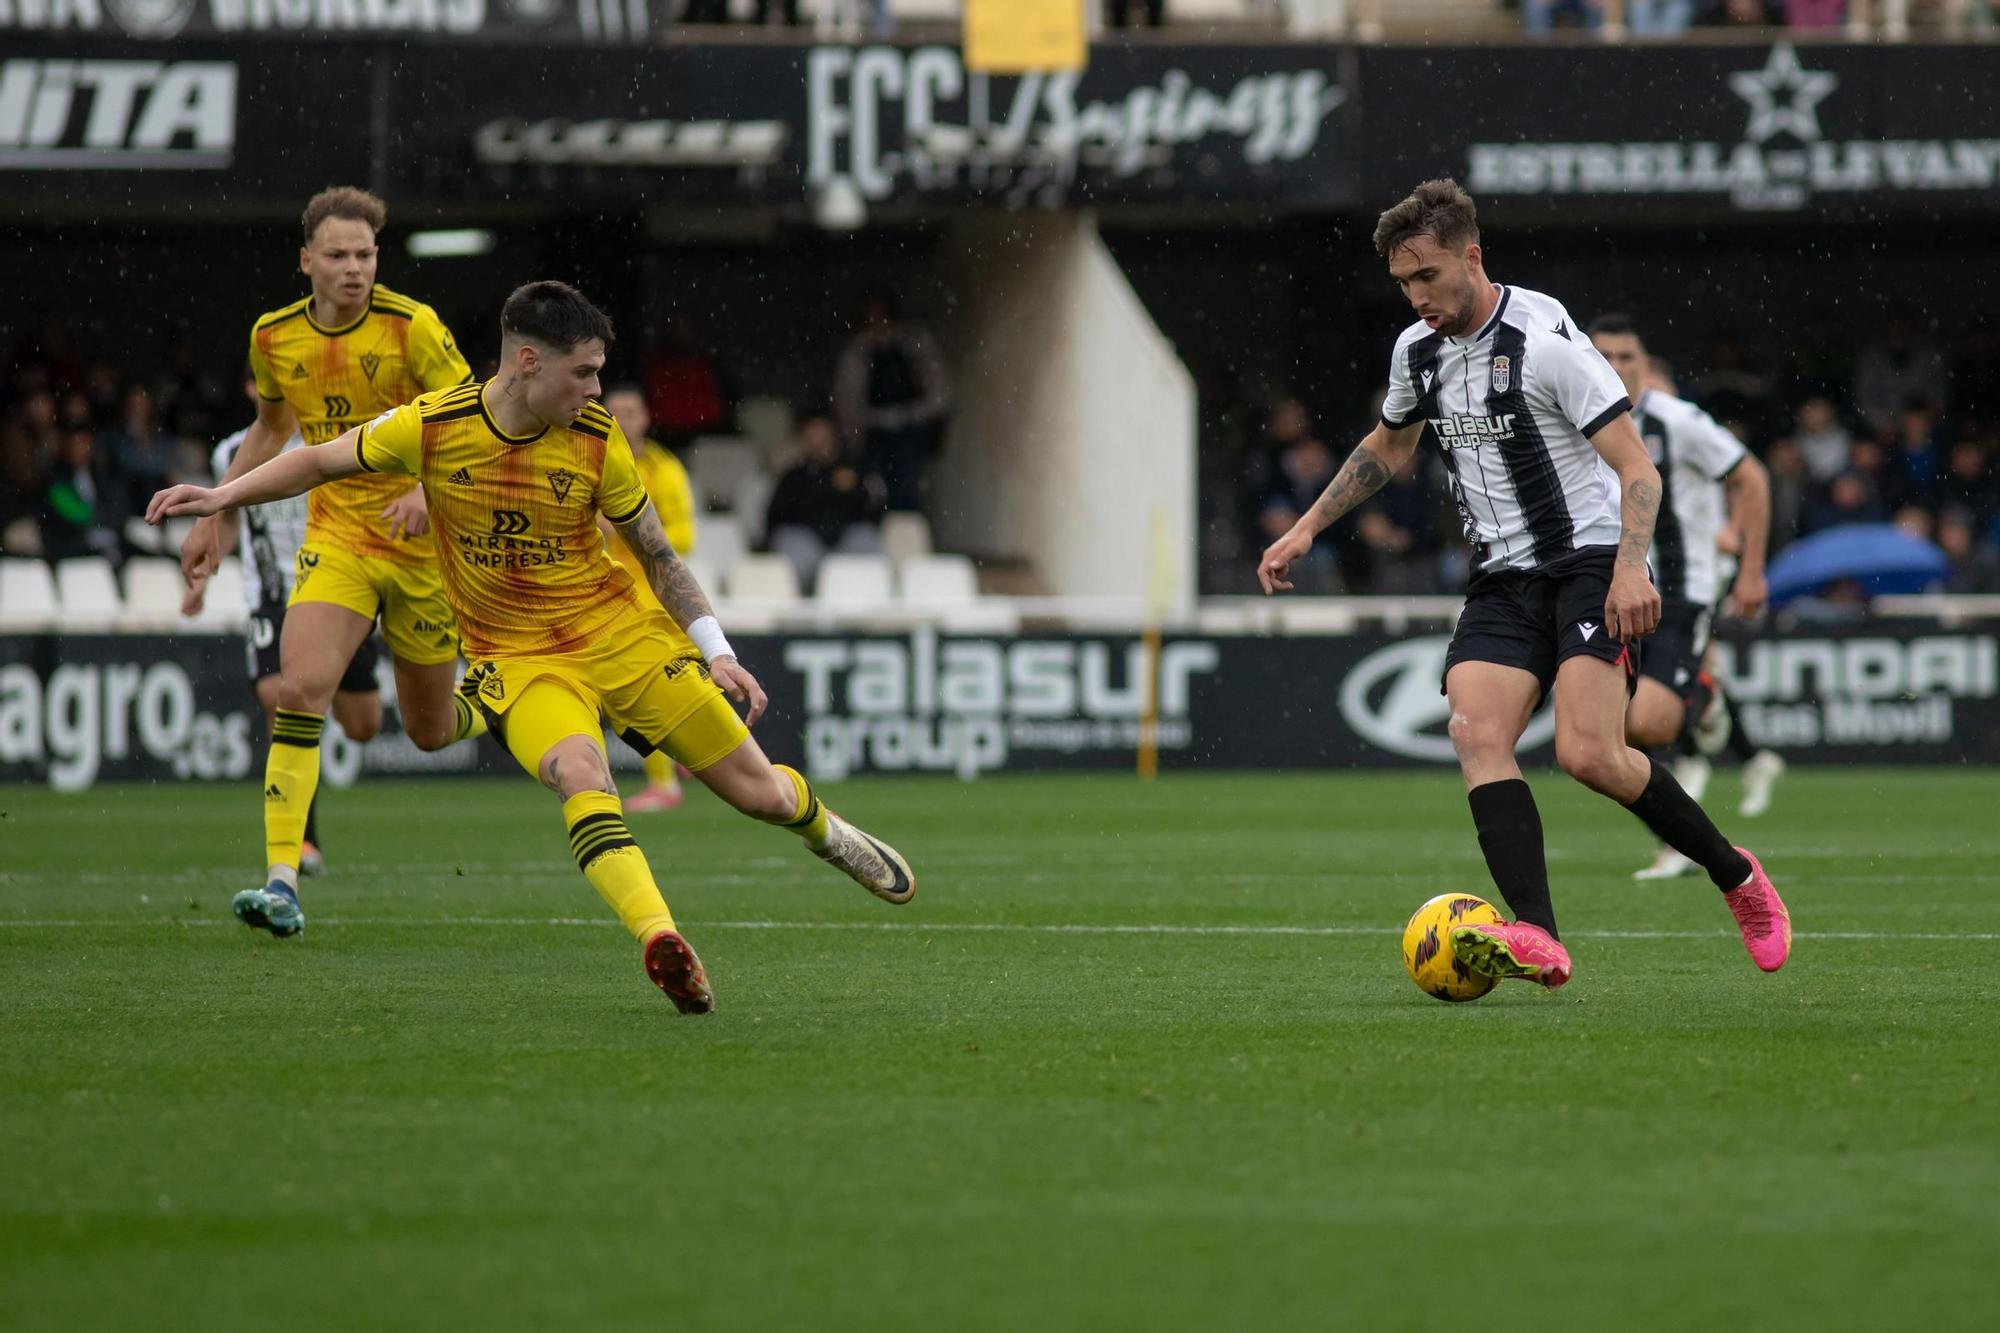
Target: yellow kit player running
x=666, y=483
x=518, y=469
x=346, y=354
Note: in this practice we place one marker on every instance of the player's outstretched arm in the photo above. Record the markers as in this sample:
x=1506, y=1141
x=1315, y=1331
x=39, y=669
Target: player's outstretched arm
x=1632, y=607
x=286, y=475
x=202, y=551
x=1366, y=471
x=679, y=592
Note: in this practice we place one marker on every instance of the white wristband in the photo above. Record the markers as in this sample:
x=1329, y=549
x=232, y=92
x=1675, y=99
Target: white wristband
x=707, y=635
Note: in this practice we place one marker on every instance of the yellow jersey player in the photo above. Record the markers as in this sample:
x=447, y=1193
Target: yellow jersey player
x=343, y=355
x=666, y=483
x=518, y=470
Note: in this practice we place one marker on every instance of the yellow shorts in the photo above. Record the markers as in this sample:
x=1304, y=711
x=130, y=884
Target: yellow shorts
x=416, y=619
x=655, y=701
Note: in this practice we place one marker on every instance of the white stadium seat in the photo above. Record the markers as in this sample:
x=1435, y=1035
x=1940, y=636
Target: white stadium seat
x=152, y=594
x=854, y=582
x=937, y=580
x=87, y=600
x=751, y=502
x=719, y=539
x=27, y=597
x=716, y=463
x=905, y=534
x=762, y=578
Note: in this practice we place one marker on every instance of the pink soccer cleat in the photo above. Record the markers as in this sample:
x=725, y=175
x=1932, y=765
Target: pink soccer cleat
x=1761, y=916
x=673, y=967
x=654, y=800
x=1517, y=950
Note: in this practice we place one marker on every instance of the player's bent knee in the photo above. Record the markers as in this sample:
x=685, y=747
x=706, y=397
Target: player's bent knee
x=1476, y=738
x=1593, y=762
x=428, y=735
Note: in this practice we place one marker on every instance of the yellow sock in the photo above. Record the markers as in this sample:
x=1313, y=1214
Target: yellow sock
x=613, y=863
x=291, y=776
x=808, y=819
x=660, y=772
x=467, y=721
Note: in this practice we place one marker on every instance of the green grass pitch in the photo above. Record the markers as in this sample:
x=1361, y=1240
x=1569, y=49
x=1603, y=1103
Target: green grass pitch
x=1139, y=1057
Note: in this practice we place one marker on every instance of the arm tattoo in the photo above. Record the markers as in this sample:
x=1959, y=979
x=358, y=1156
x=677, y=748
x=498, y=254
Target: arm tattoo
x=671, y=581
x=1642, y=507
x=1359, y=477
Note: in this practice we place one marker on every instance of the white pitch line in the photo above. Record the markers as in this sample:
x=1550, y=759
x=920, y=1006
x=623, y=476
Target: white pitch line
x=992, y=927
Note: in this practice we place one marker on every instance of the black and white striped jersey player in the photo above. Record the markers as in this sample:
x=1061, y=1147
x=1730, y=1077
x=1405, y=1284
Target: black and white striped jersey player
x=1707, y=478
x=1560, y=501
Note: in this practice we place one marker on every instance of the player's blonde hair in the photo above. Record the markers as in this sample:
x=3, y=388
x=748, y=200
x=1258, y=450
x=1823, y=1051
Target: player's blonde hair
x=1439, y=209
x=348, y=203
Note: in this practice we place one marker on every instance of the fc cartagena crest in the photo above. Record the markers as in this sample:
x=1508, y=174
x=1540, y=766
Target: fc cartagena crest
x=1503, y=373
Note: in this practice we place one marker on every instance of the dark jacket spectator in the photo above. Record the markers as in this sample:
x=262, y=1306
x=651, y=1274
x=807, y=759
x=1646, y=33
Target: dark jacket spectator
x=891, y=394
x=83, y=506
x=822, y=504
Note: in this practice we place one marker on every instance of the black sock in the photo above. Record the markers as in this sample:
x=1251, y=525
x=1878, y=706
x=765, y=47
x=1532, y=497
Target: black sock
x=312, y=821
x=1740, y=745
x=1671, y=813
x=1510, y=833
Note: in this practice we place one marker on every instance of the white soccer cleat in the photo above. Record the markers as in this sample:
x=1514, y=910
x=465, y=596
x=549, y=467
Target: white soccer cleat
x=869, y=862
x=1759, y=776
x=1669, y=864
x=1692, y=772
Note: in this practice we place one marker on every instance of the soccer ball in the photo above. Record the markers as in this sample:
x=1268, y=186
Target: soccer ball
x=1427, y=951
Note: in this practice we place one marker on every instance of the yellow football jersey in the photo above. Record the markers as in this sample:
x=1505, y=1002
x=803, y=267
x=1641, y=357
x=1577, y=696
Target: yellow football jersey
x=666, y=481
x=335, y=379
x=515, y=522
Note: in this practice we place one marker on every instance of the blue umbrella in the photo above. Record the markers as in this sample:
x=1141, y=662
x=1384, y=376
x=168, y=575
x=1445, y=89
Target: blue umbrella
x=1881, y=556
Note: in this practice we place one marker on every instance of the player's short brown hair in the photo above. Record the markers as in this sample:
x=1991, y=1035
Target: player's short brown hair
x=1439, y=209
x=553, y=314
x=345, y=202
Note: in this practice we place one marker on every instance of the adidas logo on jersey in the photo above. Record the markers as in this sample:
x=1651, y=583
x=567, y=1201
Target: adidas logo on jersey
x=299, y=371
x=462, y=477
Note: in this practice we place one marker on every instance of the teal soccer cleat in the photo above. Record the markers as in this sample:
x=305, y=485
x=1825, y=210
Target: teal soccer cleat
x=275, y=908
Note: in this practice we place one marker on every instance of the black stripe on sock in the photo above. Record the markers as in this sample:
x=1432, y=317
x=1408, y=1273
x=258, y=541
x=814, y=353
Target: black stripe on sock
x=812, y=810
x=603, y=840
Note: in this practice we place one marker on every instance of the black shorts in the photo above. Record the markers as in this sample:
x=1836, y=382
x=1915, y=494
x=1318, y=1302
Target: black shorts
x=267, y=624
x=1673, y=651
x=1538, y=619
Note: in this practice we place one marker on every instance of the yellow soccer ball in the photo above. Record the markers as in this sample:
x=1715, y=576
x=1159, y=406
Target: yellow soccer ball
x=1427, y=954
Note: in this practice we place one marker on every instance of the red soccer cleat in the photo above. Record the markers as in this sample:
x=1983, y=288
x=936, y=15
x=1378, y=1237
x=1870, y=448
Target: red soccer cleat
x=655, y=799
x=1761, y=916
x=1519, y=950
x=671, y=963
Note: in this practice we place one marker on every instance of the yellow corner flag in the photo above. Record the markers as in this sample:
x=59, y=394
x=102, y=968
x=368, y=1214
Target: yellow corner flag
x=1015, y=36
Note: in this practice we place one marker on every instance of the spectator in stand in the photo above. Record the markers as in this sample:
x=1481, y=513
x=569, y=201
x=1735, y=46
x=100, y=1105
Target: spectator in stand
x=191, y=402
x=1902, y=365
x=28, y=439
x=1118, y=13
x=1734, y=390
x=83, y=506
x=1819, y=362
x=1398, y=527
x=788, y=10
x=1742, y=13
x=1849, y=498
x=1918, y=455
x=100, y=386
x=1303, y=471
x=1815, y=13
x=1975, y=562
x=1539, y=17
x=1790, y=485
x=891, y=394
x=1968, y=483
x=143, y=455
x=1823, y=442
x=686, y=390
x=823, y=504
